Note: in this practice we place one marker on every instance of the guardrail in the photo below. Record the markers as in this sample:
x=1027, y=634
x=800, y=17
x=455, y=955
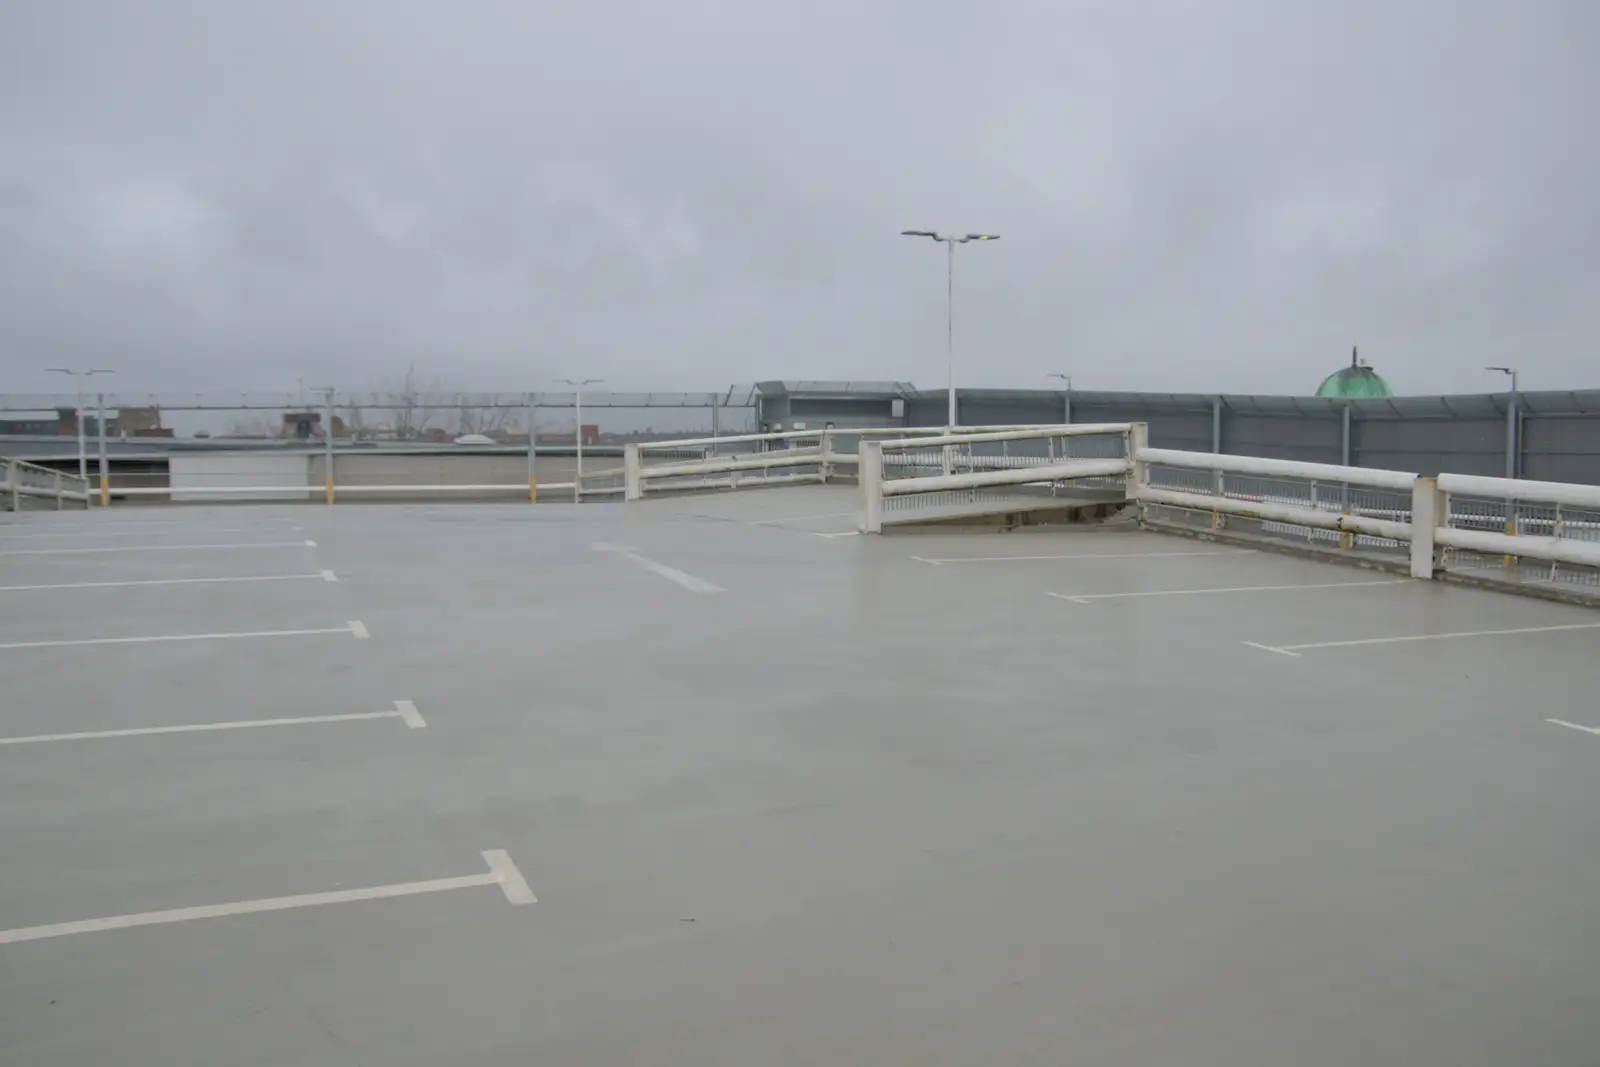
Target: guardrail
x=25, y=482
x=992, y=472
x=1532, y=532
x=763, y=459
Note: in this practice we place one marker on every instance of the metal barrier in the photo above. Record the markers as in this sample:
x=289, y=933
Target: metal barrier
x=26, y=483
x=994, y=472
x=1530, y=532
x=764, y=459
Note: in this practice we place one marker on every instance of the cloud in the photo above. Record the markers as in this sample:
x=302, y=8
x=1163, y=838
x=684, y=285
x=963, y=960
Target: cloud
x=1192, y=196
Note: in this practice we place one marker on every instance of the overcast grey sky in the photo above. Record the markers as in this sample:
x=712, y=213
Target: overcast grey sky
x=1193, y=195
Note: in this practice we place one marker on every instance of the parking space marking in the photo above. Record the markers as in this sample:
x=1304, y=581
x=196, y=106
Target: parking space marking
x=404, y=710
x=943, y=561
x=354, y=627
x=671, y=574
x=502, y=873
x=154, y=548
x=34, y=535
x=1084, y=598
x=326, y=576
x=1574, y=726
x=1295, y=650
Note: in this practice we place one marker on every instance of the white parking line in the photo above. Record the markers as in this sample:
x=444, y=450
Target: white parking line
x=404, y=710
x=354, y=627
x=1084, y=598
x=671, y=574
x=1295, y=650
x=1574, y=726
x=33, y=535
x=154, y=548
x=502, y=873
x=940, y=562
x=327, y=576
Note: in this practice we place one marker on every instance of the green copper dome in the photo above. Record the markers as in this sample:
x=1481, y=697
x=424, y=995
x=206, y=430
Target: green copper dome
x=1357, y=379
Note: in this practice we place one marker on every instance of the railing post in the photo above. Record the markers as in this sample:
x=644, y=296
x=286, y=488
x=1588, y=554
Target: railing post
x=1429, y=510
x=826, y=464
x=1138, y=472
x=870, y=458
x=59, y=503
x=632, y=483
x=14, y=481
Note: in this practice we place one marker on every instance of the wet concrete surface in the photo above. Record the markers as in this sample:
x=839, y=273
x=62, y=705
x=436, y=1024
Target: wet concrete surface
x=833, y=799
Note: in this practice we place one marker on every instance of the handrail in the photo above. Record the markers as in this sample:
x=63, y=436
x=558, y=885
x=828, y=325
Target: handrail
x=23, y=479
x=837, y=431
x=1016, y=433
x=1284, y=468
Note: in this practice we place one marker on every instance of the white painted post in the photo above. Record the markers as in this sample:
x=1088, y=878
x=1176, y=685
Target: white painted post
x=59, y=503
x=632, y=483
x=14, y=480
x=533, y=451
x=1429, y=508
x=827, y=456
x=870, y=476
x=1139, y=473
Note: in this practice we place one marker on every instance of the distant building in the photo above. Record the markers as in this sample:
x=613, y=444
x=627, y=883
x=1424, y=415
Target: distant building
x=1358, y=379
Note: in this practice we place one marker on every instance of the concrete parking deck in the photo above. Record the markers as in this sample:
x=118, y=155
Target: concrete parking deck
x=784, y=796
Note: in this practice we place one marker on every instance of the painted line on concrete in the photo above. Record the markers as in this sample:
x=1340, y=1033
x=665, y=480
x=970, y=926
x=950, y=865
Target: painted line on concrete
x=1574, y=726
x=1295, y=650
x=40, y=522
x=510, y=879
x=944, y=561
x=355, y=627
x=1271, y=648
x=154, y=548
x=671, y=574
x=1084, y=598
x=502, y=873
x=831, y=536
x=327, y=576
x=34, y=535
x=404, y=710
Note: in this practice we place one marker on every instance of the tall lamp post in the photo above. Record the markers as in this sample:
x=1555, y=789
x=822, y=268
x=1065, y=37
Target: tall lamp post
x=1066, y=403
x=78, y=378
x=577, y=427
x=950, y=240
x=1513, y=445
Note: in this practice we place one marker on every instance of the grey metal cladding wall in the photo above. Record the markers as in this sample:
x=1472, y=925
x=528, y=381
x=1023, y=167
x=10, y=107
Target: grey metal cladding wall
x=1561, y=449
x=1039, y=412
x=1307, y=438
x=1184, y=431
x=1430, y=445
x=840, y=412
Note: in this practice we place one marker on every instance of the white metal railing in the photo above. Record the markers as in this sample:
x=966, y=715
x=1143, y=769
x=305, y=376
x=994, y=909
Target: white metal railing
x=1453, y=522
x=26, y=481
x=761, y=459
x=991, y=471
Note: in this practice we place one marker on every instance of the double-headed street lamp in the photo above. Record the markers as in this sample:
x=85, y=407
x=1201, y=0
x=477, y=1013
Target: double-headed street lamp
x=577, y=434
x=950, y=240
x=78, y=378
x=1513, y=445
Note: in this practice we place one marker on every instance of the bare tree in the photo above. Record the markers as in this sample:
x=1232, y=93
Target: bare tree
x=481, y=420
x=406, y=407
